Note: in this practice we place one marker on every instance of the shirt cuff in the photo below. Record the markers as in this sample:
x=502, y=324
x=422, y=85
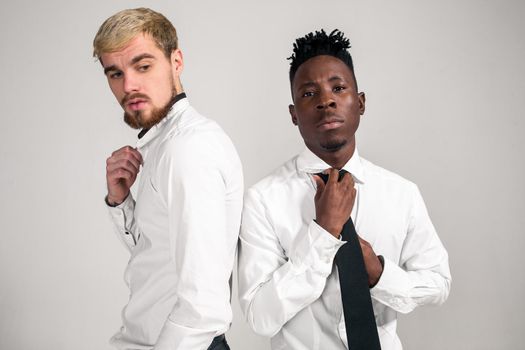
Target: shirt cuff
x=175, y=337
x=124, y=207
x=122, y=217
x=393, y=288
x=316, y=249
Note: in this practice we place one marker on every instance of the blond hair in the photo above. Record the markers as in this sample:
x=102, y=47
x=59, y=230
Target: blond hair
x=118, y=30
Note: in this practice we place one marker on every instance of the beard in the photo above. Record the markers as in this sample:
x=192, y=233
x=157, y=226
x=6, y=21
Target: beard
x=333, y=145
x=137, y=119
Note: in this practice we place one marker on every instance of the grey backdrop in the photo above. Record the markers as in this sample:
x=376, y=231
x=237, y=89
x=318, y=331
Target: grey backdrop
x=445, y=100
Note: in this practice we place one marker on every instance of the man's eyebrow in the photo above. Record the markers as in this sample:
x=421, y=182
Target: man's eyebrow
x=133, y=61
x=312, y=83
x=141, y=57
x=307, y=84
x=109, y=68
x=335, y=77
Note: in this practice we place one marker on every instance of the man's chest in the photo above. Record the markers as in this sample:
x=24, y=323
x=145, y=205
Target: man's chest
x=379, y=218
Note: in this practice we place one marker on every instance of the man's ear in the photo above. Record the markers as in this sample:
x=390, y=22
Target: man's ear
x=362, y=100
x=177, y=62
x=291, y=109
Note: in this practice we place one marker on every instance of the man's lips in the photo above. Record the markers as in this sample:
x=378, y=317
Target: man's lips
x=330, y=123
x=136, y=103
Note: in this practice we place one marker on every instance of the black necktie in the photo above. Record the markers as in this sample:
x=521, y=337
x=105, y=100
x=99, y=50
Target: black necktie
x=361, y=329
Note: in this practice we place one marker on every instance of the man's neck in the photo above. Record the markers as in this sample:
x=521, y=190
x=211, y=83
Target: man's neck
x=339, y=158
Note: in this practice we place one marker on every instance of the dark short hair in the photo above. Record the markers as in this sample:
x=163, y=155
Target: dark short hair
x=317, y=44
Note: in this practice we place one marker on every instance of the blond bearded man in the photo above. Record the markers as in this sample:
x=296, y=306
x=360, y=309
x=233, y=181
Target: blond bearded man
x=182, y=226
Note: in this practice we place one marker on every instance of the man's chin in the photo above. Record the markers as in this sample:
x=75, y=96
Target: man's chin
x=333, y=145
x=135, y=119
x=145, y=119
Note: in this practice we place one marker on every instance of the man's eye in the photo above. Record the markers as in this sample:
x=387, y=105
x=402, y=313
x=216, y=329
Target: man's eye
x=144, y=67
x=115, y=75
x=339, y=88
x=308, y=94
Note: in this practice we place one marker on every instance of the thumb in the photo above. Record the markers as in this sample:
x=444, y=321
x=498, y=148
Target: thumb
x=363, y=242
x=320, y=186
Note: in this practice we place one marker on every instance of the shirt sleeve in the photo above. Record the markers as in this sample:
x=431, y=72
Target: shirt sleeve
x=124, y=222
x=273, y=288
x=201, y=184
x=423, y=275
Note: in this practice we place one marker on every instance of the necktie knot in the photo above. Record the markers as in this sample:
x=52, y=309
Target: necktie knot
x=324, y=176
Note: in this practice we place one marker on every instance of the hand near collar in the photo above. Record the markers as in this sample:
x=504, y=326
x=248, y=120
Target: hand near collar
x=122, y=168
x=333, y=206
x=334, y=201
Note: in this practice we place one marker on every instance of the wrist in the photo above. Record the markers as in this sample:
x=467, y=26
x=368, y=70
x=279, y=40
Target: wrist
x=379, y=273
x=113, y=202
x=333, y=230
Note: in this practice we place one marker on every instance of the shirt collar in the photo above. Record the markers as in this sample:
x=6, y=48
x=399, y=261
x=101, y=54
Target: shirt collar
x=146, y=135
x=308, y=162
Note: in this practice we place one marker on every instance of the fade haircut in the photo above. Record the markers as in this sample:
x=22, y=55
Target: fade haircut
x=312, y=45
x=118, y=30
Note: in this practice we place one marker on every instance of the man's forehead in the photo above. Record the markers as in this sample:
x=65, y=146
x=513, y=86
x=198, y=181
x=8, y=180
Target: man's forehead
x=323, y=63
x=140, y=45
x=321, y=67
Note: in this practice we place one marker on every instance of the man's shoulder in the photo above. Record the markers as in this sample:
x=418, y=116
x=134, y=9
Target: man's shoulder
x=280, y=180
x=194, y=129
x=377, y=175
x=191, y=123
x=193, y=137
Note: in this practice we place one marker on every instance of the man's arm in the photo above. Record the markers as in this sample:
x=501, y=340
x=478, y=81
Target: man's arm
x=423, y=275
x=201, y=184
x=275, y=285
x=122, y=168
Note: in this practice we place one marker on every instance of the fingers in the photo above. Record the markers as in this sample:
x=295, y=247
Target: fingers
x=123, y=159
x=126, y=157
x=345, y=186
x=123, y=164
x=127, y=164
x=117, y=174
x=127, y=152
x=333, y=176
x=347, y=180
x=373, y=265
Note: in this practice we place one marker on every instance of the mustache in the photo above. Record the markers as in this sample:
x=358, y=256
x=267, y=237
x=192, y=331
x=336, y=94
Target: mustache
x=126, y=98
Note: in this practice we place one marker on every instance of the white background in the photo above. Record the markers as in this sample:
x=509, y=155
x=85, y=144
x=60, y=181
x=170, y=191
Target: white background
x=445, y=108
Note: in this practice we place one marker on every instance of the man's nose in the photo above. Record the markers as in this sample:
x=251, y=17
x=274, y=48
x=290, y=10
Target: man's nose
x=131, y=83
x=326, y=99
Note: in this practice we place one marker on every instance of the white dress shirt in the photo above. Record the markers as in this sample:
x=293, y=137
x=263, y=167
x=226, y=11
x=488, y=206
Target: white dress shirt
x=181, y=232
x=288, y=283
